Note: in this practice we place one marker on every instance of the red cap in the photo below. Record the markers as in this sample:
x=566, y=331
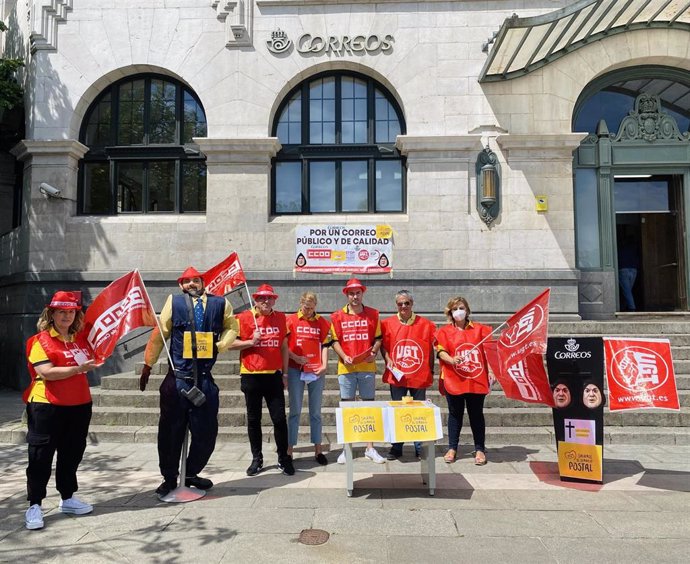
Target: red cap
x=191, y=272
x=66, y=300
x=354, y=284
x=265, y=290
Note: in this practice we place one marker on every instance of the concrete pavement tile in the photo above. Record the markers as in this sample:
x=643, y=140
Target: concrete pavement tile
x=576, y=551
x=414, y=550
x=666, y=480
x=419, y=499
x=244, y=520
x=339, y=549
x=313, y=498
x=570, y=500
x=662, y=500
x=517, y=523
x=645, y=524
x=380, y=523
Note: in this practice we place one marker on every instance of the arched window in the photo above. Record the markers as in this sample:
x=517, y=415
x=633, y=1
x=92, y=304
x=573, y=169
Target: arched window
x=141, y=155
x=338, y=132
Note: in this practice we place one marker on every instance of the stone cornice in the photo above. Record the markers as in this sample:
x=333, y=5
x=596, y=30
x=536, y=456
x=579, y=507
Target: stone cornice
x=439, y=146
x=250, y=150
x=45, y=17
x=540, y=146
x=48, y=148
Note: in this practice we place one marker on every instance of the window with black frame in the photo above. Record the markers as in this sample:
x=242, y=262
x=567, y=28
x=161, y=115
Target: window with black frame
x=338, y=155
x=141, y=157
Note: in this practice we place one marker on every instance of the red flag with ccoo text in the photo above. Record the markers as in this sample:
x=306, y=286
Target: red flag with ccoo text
x=225, y=276
x=120, y=308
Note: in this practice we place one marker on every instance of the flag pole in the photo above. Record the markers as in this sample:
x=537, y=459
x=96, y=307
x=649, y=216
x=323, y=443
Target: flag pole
x=251, y=302
x=465, y=353
x=158, y=323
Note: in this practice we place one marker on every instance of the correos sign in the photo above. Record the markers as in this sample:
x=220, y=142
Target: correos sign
x=339, y=45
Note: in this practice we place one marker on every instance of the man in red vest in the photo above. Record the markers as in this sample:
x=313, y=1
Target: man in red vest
x=356, y=334
x=408, y=347
x=263, y=347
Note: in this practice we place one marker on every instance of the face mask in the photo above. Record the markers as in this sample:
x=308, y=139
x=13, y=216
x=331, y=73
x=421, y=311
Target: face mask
x=459, y=314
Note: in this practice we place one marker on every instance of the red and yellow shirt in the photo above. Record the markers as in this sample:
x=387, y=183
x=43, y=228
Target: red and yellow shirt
x=472, y=376
x=410, y=347
x=356, y=332
x=307, y=335
x=266, y=357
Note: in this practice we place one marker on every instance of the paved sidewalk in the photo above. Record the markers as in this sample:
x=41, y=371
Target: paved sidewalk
x=514, y=509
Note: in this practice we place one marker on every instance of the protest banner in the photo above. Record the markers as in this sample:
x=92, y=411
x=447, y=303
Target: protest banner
x=356, y=249
x=639, y=374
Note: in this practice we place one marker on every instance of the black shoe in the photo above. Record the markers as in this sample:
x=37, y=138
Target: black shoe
x=198, y=482
x=393, y=454
x=321, y=459
x=255, y=467
x=166, y=487
x=286, y=466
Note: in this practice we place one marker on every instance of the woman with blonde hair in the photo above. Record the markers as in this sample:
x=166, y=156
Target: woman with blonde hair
x=464, y=375
x=308, y=344
x=58, y=405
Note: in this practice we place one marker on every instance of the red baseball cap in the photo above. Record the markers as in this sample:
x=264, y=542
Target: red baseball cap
x=265, y=290
x=354, y=284
x=65, y=300
x=191, y=272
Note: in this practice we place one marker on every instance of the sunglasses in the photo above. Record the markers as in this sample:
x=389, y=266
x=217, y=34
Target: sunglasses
x=264, y=298
x=403, y=304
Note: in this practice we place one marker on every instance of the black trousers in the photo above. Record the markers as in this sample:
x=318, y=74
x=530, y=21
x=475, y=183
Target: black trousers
x=51, y=428
x=269, y=387
x=475, y=412
x=177, y=413
x=397, y=393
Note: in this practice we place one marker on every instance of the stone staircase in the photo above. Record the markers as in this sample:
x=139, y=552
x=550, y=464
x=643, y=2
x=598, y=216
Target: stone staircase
x=124, y=414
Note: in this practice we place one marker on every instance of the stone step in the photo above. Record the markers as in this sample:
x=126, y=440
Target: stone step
x=16, y=434
x=331, y=398
x=495, y=417
x=228, y=382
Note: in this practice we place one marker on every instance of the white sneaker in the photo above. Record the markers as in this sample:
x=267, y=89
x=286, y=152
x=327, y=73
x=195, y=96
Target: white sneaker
x=341, y=458
x=34, y=517
x=373, y=455
x=74, y=506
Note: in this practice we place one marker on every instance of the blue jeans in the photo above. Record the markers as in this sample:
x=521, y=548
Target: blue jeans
x=418, y=394
x=626, y=279
x=365, y=381
x=296, y=394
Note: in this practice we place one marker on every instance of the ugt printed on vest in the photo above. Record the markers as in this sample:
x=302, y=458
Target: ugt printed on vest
x=358, y=249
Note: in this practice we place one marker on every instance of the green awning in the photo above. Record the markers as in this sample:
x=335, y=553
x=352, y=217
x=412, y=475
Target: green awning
x=526, y=44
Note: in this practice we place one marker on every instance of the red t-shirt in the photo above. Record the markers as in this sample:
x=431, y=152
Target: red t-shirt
x=411, y=349
x=307, y=336
x=266, y=357
x=472, y=376
x=356, y=332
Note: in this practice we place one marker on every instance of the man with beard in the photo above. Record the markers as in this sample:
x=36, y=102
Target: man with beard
x=199, y=326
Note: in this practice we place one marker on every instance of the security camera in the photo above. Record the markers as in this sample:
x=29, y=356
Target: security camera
x=49, y=191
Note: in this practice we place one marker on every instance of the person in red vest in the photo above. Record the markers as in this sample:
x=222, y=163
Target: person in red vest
x=264, y=357
x=356, y=334
x=58, y=405
x=408, y=347
x=308, y=343
x=464, y=375
x=210, y=321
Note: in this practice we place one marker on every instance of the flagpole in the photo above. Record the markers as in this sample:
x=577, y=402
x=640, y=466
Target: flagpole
x=251, y=302
x=465, y=353
x=158, y=323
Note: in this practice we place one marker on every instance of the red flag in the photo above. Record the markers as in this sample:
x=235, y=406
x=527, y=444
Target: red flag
x=120, y=308
x=516, y=360
x=525, y=380
x=225, y=276
x=639, y=373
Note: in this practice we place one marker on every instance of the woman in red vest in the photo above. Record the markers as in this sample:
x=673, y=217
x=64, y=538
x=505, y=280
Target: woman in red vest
x=464, y=375
x=58, y=405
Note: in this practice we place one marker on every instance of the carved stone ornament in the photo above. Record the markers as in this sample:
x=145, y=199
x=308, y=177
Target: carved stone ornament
x=649, y=123
x=279, y=42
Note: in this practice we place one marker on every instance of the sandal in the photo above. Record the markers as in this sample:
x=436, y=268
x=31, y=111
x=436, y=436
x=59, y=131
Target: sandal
x=479, y=458
x=449, y=457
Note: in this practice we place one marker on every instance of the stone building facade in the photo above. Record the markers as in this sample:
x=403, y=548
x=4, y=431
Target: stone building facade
x=142, y=188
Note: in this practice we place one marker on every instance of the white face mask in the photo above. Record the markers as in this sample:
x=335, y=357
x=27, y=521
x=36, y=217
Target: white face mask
x=459, y=314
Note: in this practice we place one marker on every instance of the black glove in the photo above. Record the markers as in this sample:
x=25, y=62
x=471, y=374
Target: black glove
x=144, y=378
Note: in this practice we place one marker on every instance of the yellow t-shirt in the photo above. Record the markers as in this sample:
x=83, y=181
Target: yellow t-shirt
x=38, y=356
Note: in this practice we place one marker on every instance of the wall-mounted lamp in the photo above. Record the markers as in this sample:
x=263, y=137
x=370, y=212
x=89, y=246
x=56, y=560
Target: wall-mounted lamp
x=488, y=186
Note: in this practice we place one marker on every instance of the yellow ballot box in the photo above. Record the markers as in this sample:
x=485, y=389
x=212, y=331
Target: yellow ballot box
x=360, y=424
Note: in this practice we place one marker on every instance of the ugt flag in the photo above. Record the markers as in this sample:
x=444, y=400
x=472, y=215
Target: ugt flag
x=120, y=308
x=225, y=276
x=517, y=363
x=639, y=373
